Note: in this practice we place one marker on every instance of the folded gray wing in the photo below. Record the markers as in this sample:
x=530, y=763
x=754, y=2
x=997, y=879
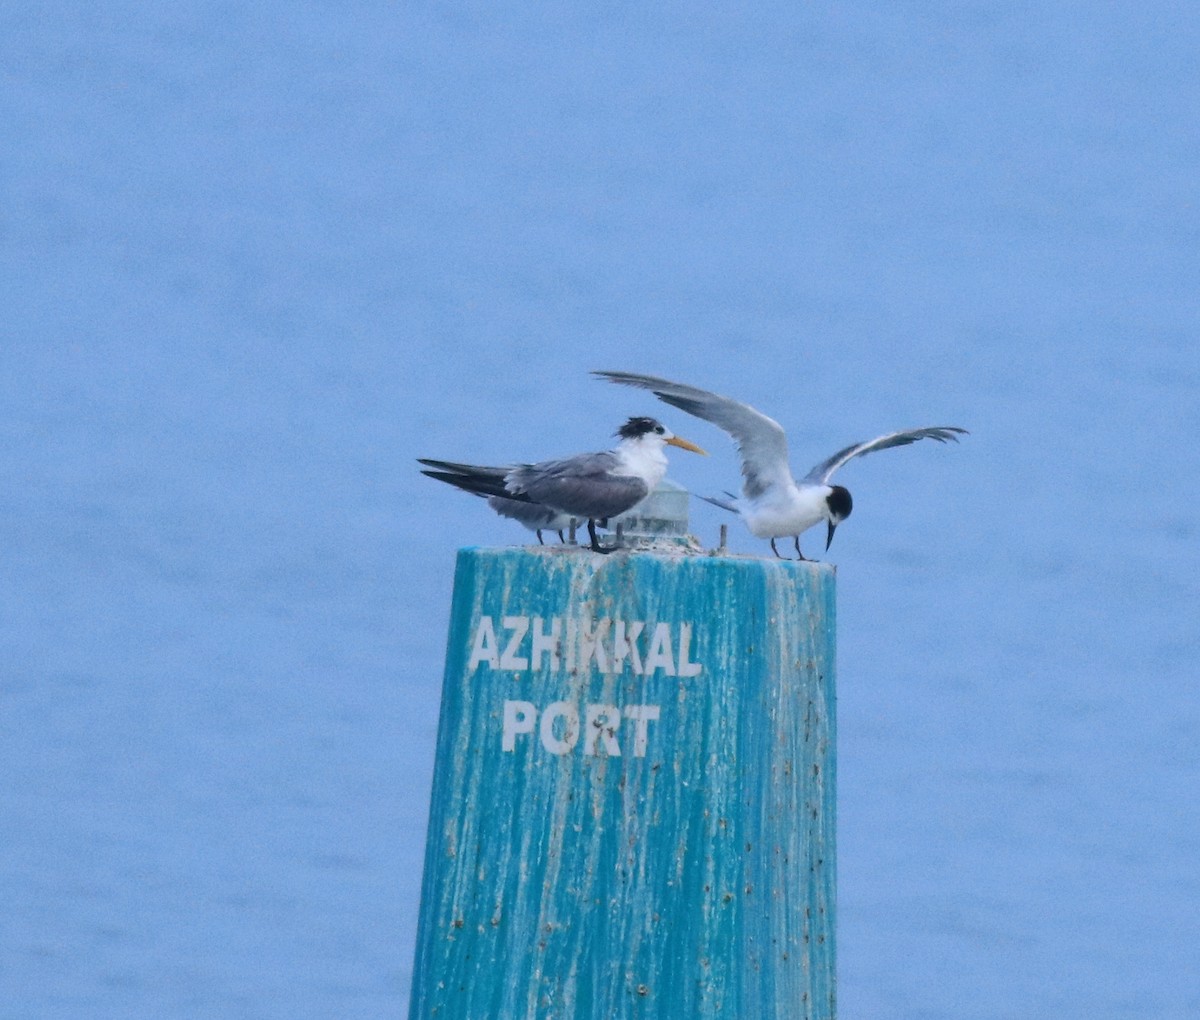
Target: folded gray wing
x=583, y=486
x=823, y=471
x=760, y=440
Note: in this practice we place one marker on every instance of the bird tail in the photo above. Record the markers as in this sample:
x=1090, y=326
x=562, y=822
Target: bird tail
x=725, y=504
x=473, y=470
x=483, y=481
x=458, y=481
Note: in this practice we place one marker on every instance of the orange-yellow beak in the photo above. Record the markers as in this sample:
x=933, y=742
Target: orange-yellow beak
x=683, y=444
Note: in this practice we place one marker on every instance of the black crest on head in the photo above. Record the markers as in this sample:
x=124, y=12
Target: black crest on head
x=840, y=503
x=636, y=427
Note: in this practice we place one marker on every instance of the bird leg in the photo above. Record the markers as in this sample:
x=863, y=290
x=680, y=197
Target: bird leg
x=541, y=541
x=561, y=540
x=596, y=546
x=775, y=551
x=798, y=552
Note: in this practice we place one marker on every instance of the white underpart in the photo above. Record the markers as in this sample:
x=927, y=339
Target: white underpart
x=782, y=510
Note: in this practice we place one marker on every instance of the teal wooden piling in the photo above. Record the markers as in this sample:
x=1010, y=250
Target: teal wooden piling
x=633, y=802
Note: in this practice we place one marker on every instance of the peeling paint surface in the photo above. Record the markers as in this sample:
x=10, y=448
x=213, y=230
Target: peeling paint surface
x=678, y=860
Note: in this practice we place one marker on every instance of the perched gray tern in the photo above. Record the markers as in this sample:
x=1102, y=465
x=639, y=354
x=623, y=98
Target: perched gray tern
x=773, y=504
x=590, y=486
x=536, y=517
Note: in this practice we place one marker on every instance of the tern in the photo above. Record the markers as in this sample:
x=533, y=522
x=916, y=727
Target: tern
x=535, y=516
x=589, y=486
x=773, y=504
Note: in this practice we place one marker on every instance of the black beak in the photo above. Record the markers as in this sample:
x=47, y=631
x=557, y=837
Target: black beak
x=829, y=537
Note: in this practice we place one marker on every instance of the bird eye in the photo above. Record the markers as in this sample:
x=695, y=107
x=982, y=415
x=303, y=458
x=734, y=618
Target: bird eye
x=661, y=431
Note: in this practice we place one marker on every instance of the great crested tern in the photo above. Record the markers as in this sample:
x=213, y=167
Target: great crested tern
x=589, y=486
x=536, y=517
x=773, y=504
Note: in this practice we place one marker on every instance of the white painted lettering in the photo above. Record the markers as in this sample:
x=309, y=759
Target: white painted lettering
x=519, y=717
x=601, y=724
x=572, y=630
x=625, y=637
x=660, y=655
x=591, y=645
x=579, y=644
x=519, y=625
x=545, y=644
x=484, y=649
x=642, y=715
x=560, y=731
x=687, y=668
x=570, y=716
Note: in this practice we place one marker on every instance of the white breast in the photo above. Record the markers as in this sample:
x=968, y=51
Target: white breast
x=645, y=460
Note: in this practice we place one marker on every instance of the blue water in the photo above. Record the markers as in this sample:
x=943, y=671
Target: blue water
x=254, y=260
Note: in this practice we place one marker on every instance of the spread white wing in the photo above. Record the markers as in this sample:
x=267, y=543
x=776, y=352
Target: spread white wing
x=823, y=471
x=760, y=440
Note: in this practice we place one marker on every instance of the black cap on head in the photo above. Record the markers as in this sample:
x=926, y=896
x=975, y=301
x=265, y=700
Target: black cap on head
x=636, y=427
x=839, y=502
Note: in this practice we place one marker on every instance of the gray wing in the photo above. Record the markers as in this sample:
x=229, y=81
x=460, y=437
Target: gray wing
x=760, y=440
x=582, y=486
x=823, y=471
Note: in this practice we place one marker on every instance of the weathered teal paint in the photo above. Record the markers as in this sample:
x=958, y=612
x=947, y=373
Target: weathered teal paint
x=586, y=880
